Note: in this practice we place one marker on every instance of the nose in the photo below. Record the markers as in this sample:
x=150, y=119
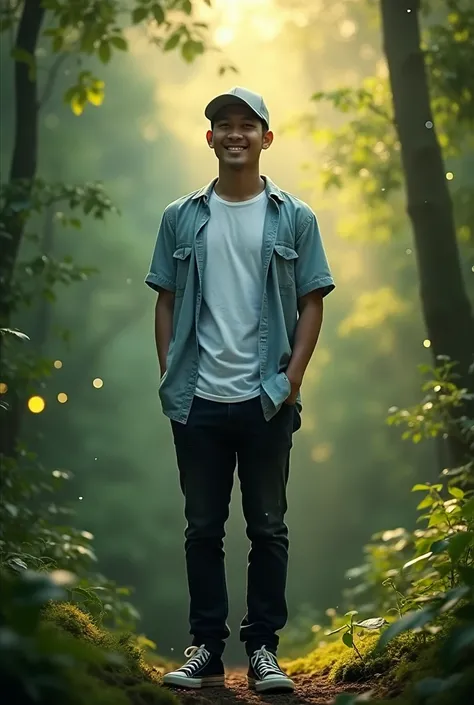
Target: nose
x=234, y=134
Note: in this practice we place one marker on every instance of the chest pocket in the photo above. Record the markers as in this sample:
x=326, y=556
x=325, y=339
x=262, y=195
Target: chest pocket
x=182, y=257
x=285, y=258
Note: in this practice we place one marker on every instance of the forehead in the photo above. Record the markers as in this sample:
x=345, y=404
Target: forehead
x=235, y=112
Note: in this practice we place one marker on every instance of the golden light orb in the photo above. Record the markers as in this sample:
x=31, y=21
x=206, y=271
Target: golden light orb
x=36, y=404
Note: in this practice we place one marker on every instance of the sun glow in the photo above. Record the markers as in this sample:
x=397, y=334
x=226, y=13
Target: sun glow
x=236, y=16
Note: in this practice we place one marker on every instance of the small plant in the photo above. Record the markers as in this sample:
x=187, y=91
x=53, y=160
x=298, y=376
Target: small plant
x=372, y=624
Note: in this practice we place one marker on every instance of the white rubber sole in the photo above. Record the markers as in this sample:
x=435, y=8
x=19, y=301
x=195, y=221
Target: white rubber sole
x=277, y=685
x=181, y=681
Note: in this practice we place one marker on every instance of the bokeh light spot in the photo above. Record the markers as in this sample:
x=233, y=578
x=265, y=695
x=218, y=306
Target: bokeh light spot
x=98, y=383
x=427, y=343
x=36, y=404
x=58, y=364
x=62, y=398
x=3, y=388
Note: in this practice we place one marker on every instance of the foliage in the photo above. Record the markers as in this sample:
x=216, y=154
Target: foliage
x=41, y=273
x=38, y=535
x=98, y=29
x=439, y=578
x=52, y=653
x=425, y=577
x=365, y=151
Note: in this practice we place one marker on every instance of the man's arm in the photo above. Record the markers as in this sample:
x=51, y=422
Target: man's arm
x=163, y=326
x=307, y=332
x=313, y=282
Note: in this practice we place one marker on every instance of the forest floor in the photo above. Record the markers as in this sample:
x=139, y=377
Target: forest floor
x=310, y=690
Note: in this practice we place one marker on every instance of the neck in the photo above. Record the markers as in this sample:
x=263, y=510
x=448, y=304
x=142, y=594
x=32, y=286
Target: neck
x=241, y=185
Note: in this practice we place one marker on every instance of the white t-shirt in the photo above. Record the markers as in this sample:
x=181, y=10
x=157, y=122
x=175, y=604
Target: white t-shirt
x=228, y=329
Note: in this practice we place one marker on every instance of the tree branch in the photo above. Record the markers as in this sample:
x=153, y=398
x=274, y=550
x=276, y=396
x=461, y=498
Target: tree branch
x=51, y=78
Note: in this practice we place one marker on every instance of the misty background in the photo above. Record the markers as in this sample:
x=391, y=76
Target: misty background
x=350, y=474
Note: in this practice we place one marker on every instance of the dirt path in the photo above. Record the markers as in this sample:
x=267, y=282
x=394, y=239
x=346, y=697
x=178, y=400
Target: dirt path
x=312, y=690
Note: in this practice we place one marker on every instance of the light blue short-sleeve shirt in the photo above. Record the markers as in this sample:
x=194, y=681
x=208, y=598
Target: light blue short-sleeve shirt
x=293, y=263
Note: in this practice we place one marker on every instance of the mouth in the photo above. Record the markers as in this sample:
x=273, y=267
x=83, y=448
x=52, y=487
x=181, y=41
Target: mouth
x=236, y=149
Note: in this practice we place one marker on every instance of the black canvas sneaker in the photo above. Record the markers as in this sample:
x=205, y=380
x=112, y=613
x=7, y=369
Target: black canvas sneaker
x=265, y=675
x=201, y=670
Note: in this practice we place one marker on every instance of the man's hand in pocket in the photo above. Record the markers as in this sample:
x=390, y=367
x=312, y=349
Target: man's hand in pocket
x=295, y=388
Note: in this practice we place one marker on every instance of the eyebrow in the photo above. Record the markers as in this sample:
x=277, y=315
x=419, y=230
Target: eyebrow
x=245, y=118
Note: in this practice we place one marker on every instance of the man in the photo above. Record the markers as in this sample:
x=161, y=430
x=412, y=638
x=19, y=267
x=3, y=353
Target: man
x=234, y=265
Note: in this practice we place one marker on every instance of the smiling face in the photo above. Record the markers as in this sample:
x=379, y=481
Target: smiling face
x=238, y=137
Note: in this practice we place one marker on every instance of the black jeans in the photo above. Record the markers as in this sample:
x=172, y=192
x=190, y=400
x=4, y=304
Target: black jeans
x=215, y=436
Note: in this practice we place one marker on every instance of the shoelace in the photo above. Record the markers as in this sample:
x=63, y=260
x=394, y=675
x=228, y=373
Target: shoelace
x=264, y=663
x=196, y=655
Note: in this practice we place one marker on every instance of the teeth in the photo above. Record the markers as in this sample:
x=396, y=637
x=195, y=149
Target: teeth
x=235, y=149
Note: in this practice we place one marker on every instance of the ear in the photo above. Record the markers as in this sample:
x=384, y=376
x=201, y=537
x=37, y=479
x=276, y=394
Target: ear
x=209, y=138
x=267, y=139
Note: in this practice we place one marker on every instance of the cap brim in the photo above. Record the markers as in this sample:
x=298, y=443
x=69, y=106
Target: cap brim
x=222, y=101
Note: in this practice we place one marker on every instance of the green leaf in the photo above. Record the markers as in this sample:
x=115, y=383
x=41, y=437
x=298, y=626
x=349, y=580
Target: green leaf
x=172, y=42
x=104, y=52
x=158, y=13
x=424, y=557
x=458, y=544
x=16, y=333
x=418, y=488
x=17, y=564
x=428, y=501
x=468, y=509
x=139, y=14
x=352, y=613
x=437, y=518
x=187, y=7
x=456, y=492
x=439, y=546
x=191, y=49
x=119, y=43
x=348, y=639
x=409, y=621
x=373, y=623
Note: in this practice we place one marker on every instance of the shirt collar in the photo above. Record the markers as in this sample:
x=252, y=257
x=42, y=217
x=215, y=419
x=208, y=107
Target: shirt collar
x=271, y=189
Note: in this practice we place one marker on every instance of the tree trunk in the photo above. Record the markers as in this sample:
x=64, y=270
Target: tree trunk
x=23, y=170
x=25, y=146
x=446, y=308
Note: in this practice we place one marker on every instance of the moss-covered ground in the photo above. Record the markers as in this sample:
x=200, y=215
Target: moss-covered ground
x=113, y=671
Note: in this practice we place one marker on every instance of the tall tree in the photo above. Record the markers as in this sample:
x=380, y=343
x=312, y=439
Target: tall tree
x=446, y=307
x=82, y=29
